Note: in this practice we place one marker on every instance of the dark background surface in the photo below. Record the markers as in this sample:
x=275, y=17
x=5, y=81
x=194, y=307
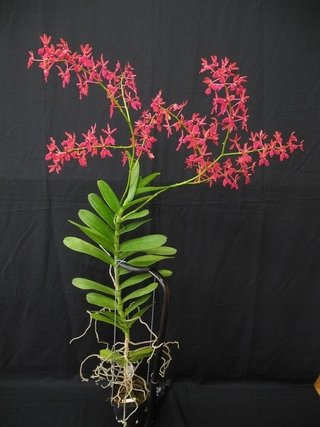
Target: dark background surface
x=246, y=290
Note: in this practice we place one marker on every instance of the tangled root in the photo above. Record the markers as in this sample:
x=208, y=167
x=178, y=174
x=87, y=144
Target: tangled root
x=127, y=387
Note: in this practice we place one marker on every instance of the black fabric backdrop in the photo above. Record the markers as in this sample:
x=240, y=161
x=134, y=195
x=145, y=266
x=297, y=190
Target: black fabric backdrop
x=245, y=293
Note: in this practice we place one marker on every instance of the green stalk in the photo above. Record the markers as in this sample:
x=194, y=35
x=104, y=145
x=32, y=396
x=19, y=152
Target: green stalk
x=118, y=220
x=131, y=159
x=120, y=310
x=127, y=113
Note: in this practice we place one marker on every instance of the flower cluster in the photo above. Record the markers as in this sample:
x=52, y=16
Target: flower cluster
x=219, y=146
x=217, y=149
x=229, y=94
x=90, y=145
x=118, y=82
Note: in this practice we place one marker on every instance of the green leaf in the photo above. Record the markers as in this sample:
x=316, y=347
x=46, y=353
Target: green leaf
x=138, y=303
x=136, y=202
x=133, y=355
x=139, y=354
x=84, y=247
x=111, y=320
x=102, y=209
x=93, y=221
x=163, y=250
x=109, y=196
x=123, y=271
x=133, y=225
x=138, y=314
x=100, y=300
x=82, y=283
x=146, y=260
x=136, y=215
x=134, y=176
x=142, y=190
x=112, y=356
x=144, y=243
x=134, y=280
x=147, y=179
x=165, y=273
x=140, y=292
x=96, y=237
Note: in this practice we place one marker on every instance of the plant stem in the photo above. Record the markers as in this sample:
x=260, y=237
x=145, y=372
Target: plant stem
x=120, y=311
x=117, y=222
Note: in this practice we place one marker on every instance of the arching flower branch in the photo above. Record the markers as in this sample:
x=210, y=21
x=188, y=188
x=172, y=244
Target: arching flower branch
x=219, y=146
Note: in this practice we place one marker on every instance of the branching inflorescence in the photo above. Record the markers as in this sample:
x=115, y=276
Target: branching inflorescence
x=219, y=146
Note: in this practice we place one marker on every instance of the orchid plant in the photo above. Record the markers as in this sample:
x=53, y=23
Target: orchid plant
x=219, y=148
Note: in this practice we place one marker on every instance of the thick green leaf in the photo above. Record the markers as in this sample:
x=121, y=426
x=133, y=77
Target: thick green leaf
x=96, y=237
x=144, y=243
x=125, y=255
x=109, y=196
x=112, y=356
x=82, y=283
x=134, y=176
x=136, y=202
x=102, y=209
x=146, y=260
x=134, y=280
x=84, y=247
x=97, y=224
x=123, y=271
x=138, y=303
x=133, y=226
x=147, y=179
x=110, y=319
x=100, y=300
x=163, y=250
x=133, y=355
x=140, y=292
x=138, y=314
x=136, y=215
x=142, y=190
x=139, y=354
x=165, y=273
